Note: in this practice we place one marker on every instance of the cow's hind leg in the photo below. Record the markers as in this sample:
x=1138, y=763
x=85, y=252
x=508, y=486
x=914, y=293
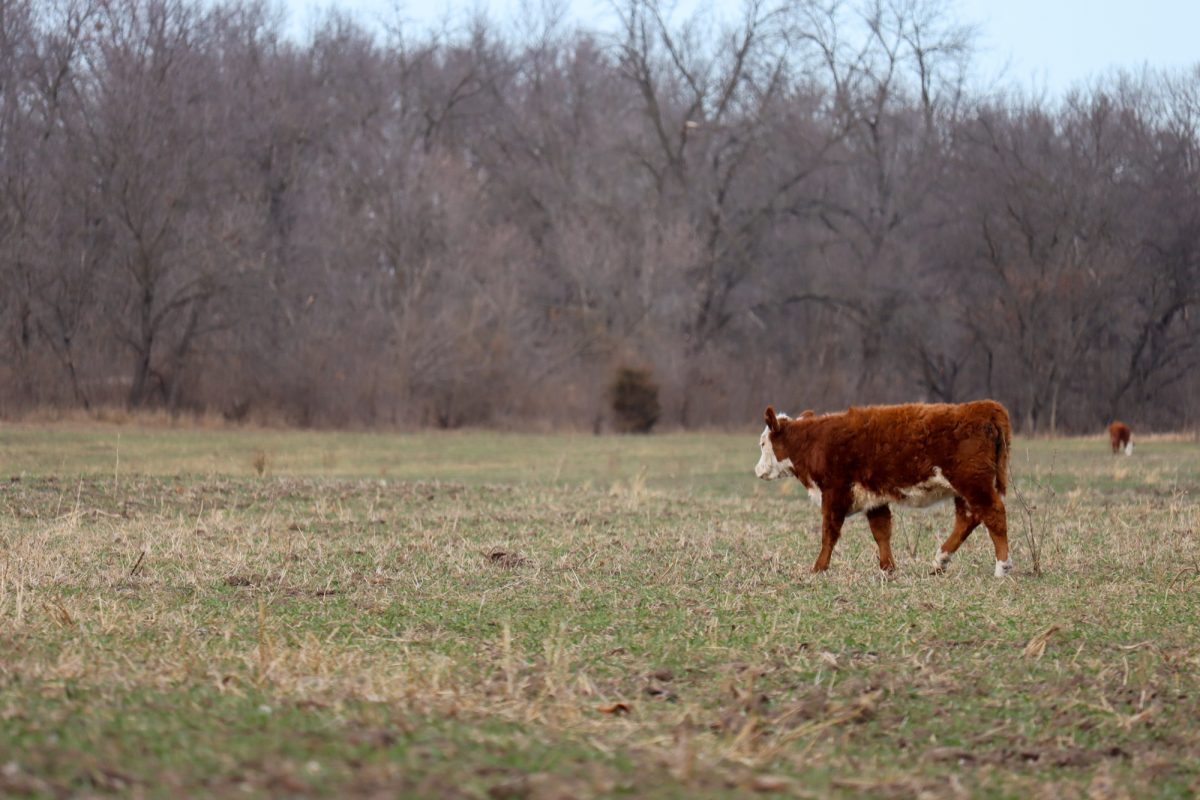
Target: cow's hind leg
x=995, y=518
x=880, y=520
x=964, y=522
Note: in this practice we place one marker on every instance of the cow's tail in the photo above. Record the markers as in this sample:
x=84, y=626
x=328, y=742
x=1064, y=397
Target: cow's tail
x=1002, y=433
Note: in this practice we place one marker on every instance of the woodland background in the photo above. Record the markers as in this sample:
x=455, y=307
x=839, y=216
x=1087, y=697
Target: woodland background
x=812, y=204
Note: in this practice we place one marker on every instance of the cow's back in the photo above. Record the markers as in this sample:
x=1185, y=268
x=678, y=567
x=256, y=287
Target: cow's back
x=888, y=449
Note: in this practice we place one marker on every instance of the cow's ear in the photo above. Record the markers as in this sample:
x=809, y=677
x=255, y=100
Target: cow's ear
x=772, y=420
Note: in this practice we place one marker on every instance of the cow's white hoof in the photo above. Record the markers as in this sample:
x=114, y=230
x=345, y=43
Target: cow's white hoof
x=1003, y=568
x=940, y=561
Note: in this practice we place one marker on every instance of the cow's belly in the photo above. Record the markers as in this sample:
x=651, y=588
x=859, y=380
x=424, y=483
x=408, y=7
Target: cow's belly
x=934, y=489
x=925, y=494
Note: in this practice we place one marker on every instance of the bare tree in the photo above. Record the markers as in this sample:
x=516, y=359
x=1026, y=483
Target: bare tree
x=801, y=202
x=1153, y=314
x=18, y=136
x=897, y=72
x=154, y=133
x=709, y=105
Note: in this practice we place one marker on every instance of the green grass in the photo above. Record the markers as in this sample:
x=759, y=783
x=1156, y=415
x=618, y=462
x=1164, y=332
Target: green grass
x=486, y=615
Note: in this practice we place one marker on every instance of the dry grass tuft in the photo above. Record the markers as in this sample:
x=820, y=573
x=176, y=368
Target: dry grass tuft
x=1036, y=647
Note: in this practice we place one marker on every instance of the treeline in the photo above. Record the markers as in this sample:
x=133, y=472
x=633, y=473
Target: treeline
x=811, y=205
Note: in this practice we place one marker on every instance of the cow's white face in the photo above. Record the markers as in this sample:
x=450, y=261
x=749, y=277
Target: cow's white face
x=769, y=467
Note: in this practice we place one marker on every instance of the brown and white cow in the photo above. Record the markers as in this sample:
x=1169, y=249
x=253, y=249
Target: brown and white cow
x=870, y=458
x=1120, y=438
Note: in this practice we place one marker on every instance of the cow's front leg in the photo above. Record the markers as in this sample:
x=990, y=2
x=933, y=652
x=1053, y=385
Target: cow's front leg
x=880, y=520
x=833, y=514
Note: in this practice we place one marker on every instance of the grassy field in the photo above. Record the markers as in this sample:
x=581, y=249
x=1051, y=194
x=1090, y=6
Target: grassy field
x=482, y=615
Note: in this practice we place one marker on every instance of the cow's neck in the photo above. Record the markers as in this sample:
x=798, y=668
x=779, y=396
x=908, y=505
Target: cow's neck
x=800, y=439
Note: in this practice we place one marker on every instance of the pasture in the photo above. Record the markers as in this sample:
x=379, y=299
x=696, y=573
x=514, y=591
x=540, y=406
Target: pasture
x=482, y=615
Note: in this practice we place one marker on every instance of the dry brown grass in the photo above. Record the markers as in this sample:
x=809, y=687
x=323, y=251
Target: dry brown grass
x=586, y=633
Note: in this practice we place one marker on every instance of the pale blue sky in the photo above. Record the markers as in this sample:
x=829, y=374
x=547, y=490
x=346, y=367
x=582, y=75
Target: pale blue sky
x=1036, y=44
x=1053, y=44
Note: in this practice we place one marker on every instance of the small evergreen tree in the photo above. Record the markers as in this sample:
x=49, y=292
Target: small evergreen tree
x=634, y=396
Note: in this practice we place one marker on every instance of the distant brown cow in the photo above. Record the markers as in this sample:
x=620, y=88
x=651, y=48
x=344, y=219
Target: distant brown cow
x=865, y=459
x=1120, y=438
